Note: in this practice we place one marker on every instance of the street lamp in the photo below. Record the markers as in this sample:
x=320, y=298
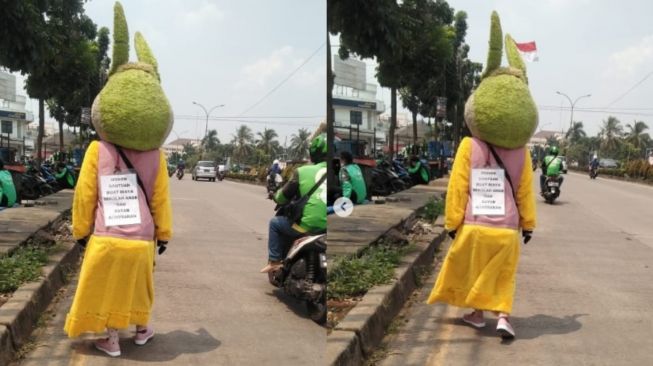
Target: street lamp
x=208, y=113
x=571, y=119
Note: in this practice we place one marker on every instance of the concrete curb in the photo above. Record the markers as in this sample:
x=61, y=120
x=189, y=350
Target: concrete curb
x=20, y=315
x=363, y=329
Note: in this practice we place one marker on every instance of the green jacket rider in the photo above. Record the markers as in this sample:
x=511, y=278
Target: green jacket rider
x=418, y=172
x=551, y=167
x=282, y=232
x=351, y=179
x=64, y=176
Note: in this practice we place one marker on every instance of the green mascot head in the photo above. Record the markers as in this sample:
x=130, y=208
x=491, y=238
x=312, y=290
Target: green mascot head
x=131, y=110
x=501, y=110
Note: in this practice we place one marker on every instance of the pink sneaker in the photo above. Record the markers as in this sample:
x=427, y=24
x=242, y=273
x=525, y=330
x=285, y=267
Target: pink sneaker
x=473, y=320
x=109, y=346
x=505, y=329
x=143, y=335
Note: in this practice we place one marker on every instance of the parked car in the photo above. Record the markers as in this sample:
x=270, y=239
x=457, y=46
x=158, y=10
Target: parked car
x=608, y=163
x=564, y=164
x=204, y=170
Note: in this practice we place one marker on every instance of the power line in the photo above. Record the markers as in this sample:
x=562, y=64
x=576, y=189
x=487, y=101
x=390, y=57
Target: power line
x=249, y=121
x=631, y=89
x=602, y=111
x=284, y=80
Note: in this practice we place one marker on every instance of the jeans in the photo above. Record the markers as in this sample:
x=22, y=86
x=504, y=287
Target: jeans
x=280, y=236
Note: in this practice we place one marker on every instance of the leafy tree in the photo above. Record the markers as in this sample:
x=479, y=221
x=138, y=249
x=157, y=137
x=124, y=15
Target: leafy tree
x=210, y=142
x=242, y=143
x=610, y=134
x=299, y=144
x=575, y=133
x=267, y=142
x=189, y=150
x=636, y=136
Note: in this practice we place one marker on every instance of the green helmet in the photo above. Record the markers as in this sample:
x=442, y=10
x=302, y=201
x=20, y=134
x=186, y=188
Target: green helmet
x=318, y=148
x=553, y=150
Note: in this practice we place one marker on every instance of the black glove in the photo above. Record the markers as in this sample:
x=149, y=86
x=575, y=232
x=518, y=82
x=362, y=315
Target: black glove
x=162, y=246
x=527, y=234
x=82, y=242
x=452, y=234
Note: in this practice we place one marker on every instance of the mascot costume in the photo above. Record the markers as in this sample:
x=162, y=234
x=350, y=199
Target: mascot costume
x=490, y=199
x=121, y=201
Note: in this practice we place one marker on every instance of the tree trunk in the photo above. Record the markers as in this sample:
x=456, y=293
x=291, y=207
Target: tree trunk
x=41, y=131
x=393, y=121
x=414, y=132
x=61, y=136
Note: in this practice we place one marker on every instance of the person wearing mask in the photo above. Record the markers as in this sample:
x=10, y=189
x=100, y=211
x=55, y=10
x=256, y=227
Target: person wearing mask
x=351, y=179
x=418, y=172
x=7, y=188
x=282, y=229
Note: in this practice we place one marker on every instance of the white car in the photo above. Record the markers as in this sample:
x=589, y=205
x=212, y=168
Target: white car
x=204, y=170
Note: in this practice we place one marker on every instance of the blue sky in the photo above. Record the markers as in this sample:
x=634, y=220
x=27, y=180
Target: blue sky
x=597, y=47
x=232, y=53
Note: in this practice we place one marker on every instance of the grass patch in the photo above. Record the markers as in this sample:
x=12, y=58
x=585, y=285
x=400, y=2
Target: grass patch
x=433, y=209
x=353, y=276
x=23, y=265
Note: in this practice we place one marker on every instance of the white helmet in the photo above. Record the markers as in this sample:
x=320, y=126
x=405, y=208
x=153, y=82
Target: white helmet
x=276, y=161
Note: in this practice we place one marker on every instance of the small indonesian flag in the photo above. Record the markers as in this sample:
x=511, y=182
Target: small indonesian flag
x=528, y=51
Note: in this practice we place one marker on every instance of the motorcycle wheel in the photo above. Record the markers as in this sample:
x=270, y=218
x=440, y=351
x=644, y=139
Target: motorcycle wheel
x=28, y=192
x=317, y=311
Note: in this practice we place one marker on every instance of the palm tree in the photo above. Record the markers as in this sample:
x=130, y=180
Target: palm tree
x=242, y=142
x=267, y=142
x=636, y=135
x=189, y=149
x=575, y=133
x=299, y=143
x=210, y=142
x=610, y=133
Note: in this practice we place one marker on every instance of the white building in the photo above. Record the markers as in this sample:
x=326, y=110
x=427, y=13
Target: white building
x=14, y=119
x=356, y=109
x=178, y=146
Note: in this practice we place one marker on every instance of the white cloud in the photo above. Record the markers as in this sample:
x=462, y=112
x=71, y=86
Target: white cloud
x=205, y=12
x=628, y=62
x=279, y=64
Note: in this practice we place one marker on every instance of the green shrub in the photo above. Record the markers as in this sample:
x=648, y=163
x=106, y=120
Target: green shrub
x=23, y=265
x=433, y=209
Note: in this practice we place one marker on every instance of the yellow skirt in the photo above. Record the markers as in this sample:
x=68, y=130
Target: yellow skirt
x=115, y=286
x=479, y=269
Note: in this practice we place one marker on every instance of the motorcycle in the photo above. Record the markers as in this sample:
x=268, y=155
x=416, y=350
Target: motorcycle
x=273, y=183
x=399, y=168
x=593, y=173
x=303, y=275
x=552, y=188
x=385, y=181
x=180, y=173
x=220, y=175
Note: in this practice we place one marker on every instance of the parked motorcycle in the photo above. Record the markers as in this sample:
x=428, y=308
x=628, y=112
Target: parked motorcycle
x=399, y=168
x=385, y=180
x=303, y=275
x=552, y=188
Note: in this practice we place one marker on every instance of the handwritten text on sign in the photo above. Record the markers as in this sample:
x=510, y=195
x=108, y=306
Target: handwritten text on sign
x=120, y=199
x=488, y=192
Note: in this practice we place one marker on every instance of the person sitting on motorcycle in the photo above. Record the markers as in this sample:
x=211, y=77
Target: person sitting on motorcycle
x=351, y=179
x=181, y=165
x=418, y=172
x=274, y=169
x=282, y=231
x=7, y=188
x=551, y=167
x=594, y=164
x=65, y=178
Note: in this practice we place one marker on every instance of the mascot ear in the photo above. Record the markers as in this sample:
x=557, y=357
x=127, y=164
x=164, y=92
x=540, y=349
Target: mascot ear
x=496, y=45
x=120, y=39
x=144, y=53
x=514, y=58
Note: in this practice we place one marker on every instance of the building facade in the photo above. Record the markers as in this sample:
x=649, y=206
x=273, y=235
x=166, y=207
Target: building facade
x=356, y=110
x=14, y=118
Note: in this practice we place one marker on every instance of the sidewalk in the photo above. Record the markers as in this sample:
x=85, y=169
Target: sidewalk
x=18, y=224
x=351, y=234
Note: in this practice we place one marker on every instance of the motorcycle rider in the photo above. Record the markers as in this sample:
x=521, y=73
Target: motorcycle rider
x=351, y=179
x=418, y=172
x=7, y=188
x=65, y=178
x=181, y=165
x=282, y=232
x=273, y=172
x=594, y=164
x=551, y=166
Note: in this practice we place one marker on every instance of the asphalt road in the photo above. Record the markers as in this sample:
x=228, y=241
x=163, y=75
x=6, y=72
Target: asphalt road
x=212, y=306
x=584, y=290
